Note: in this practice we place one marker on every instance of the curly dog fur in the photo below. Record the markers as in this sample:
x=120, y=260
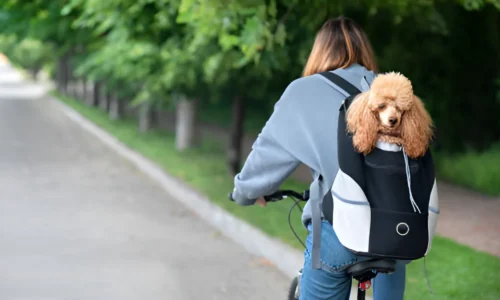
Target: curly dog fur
x=390, y=112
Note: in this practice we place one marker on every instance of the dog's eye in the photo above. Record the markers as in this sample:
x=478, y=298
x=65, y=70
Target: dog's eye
x=381, y=106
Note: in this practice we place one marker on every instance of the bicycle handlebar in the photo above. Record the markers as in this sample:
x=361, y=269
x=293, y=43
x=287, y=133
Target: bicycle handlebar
x=280, y=195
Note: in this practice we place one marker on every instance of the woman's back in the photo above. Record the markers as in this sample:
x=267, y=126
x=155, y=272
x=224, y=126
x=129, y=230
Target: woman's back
x=303, y=129
x=321, y=106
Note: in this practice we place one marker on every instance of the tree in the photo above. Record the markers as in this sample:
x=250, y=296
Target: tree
x=239, y=53
x=262, y=46
x=174, y=76
x=48, y=25
x=248, y=51
x=28, y=53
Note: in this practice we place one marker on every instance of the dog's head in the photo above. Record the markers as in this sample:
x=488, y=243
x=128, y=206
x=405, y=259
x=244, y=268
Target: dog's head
x=391, y=95
x=390, y=109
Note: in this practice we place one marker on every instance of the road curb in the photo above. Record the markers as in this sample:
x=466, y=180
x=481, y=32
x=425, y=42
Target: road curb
x=284, y=257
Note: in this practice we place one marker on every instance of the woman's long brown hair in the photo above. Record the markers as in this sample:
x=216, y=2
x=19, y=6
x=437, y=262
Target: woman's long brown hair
x=340, y=43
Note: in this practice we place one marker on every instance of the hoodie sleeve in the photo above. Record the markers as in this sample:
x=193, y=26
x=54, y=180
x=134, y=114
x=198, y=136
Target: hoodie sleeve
x=265, y=169
x=270, y=162
x=302, y=129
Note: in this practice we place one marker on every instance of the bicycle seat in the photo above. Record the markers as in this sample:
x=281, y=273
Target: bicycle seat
x=366, y=270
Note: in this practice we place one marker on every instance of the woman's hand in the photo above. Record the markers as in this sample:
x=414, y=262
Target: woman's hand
x=261, y=202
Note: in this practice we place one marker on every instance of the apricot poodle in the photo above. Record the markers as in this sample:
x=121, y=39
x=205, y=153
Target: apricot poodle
x=390, y=112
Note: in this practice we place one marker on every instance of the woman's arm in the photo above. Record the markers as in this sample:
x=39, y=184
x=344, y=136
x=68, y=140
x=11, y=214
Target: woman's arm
x=265, y=169
x=291, y=135
x=274, y=154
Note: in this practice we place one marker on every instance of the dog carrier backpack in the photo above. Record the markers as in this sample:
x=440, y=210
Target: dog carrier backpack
x=385, y=204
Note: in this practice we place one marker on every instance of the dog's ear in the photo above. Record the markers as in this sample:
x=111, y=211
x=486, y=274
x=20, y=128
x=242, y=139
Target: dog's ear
x=362, y=123
x=416, y=129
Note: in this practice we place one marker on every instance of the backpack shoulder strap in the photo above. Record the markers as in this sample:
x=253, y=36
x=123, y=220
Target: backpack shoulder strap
x=327, y=203
x=341, y=83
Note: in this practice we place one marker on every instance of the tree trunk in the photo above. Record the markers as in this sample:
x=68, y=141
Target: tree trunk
x=236, y=138
x=186, y=135
x=103, y=100
x=76, y=88
x=84, y=93
x=115, y=107
x=58, y=75
x=109, y=96
x=34, y=73
x=62, y=73
x=94, y=100
x=68, y=90
x=145, y=117
x=71, y=80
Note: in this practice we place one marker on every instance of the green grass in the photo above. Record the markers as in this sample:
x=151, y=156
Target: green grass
x=456, y=272
x=476, y=170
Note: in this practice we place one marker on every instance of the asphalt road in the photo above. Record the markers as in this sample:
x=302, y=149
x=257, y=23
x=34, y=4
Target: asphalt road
x=78, y=222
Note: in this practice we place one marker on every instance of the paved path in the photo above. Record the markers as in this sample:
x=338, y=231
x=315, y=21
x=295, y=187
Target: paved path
x=77, y=222
x=470, y=218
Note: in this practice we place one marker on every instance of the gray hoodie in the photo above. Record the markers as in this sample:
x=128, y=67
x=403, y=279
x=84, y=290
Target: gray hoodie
x=302, y=128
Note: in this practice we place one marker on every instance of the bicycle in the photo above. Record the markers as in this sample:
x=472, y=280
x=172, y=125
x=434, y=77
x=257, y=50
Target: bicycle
x=362, y=271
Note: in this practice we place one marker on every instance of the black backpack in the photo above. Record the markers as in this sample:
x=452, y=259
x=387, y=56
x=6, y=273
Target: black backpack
x=374, y=212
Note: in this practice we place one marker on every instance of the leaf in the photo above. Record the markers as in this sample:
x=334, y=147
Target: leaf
x=228, y=41
x=212, y=65
x=243, y=61
x=272, y=10
x=280, y=35
x=66, y=10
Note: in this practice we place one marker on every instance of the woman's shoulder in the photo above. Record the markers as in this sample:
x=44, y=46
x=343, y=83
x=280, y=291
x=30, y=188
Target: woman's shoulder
x=355, y=74
x=306, y=82
x=309, y=86
x=308, y=94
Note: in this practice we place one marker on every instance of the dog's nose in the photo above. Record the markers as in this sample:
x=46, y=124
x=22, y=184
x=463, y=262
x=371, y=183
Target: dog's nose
x=393, y=121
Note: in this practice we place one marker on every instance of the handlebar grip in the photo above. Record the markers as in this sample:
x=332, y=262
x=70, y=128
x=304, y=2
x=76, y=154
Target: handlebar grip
x=274, y=197
x=279, y=195
x=305, y=195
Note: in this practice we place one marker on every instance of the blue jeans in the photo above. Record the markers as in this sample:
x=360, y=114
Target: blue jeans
x=328, y=283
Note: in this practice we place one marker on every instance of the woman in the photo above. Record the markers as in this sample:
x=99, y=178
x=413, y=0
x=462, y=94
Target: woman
x=303, y=129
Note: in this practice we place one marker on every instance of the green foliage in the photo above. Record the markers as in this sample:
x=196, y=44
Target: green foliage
x=43, y=21
x=123, y=66
x=453, y=64
x=248, y=26
x=31, y=54
x=7, y=43
x=27, y=53
x=478, y=170
x=215, y=50
x=160, y=64
x=478, y=4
